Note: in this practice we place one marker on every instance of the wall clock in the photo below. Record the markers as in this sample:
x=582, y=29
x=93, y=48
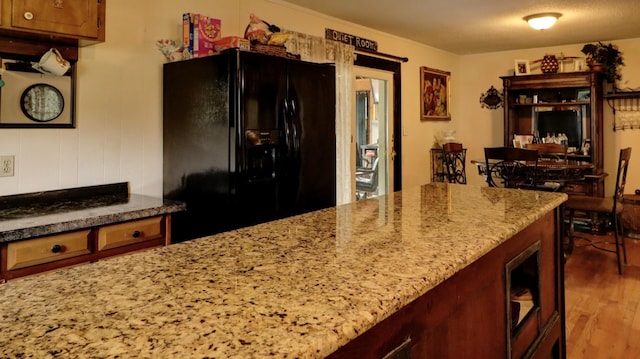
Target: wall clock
x=42, y=102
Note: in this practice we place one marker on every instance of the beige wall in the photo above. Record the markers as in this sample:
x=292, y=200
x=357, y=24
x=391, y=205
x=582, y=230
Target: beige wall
x=483, y=127
x=119, y=103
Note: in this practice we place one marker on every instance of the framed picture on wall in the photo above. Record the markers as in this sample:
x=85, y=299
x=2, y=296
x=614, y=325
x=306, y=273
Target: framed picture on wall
x=583, y=95
x=435, y=87
x=522, y=67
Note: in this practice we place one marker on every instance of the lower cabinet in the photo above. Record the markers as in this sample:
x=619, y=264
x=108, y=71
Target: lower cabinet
x=507, y=304
x=35, y=255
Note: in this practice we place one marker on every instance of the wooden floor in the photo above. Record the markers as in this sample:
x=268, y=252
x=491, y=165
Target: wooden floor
x=602, y=307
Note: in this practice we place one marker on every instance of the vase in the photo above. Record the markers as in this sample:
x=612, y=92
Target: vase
x=595, y=67
x=549, y=64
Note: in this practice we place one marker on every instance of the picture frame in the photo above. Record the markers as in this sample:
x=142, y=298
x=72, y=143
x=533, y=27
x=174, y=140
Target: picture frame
x=522, y=67
x=579, y=64
x=435, y=89
x=583, y=95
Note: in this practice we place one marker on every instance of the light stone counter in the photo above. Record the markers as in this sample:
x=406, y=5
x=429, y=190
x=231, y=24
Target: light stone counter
x=298, y=288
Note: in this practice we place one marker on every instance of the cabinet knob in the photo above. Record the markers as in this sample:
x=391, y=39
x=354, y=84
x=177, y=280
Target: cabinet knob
x=56, y=248
x=136, y=234
x=28, y=15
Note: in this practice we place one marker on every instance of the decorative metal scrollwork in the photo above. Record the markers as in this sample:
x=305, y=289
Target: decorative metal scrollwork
x=454, y=166
x=492, y=99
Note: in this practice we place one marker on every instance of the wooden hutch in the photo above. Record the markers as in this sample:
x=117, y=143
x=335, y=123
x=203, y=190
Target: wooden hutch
x=569, y=102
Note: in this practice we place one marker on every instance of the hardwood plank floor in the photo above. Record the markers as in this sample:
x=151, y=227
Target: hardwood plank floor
x=602, y=307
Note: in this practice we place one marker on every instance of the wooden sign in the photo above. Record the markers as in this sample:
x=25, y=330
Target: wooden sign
x=358, y=42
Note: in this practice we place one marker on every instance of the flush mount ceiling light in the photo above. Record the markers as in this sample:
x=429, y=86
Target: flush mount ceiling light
x=542, y=21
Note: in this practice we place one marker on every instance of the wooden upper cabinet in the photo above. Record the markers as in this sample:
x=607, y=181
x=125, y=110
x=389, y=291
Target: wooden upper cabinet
x=64, y=19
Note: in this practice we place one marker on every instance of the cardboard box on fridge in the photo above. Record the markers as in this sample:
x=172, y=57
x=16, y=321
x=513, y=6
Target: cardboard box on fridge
x=230, y=42
x=199, y=33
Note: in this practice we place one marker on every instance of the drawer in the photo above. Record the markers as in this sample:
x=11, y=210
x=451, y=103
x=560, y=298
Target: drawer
x=47, y=249
x=123, y=234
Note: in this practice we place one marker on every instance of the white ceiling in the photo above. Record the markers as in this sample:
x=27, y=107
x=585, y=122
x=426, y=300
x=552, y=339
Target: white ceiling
x=479, y=26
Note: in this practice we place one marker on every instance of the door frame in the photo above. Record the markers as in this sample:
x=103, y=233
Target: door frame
x=393, y=67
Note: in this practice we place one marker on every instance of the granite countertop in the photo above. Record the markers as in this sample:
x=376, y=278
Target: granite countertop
x=300, y=287
x=44, y=213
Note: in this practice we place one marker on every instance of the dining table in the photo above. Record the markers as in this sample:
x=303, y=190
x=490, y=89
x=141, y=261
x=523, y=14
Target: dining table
x=556, y=170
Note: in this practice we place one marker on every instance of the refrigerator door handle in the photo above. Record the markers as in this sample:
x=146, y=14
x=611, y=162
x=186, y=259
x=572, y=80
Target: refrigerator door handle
x=294, y=121
x=287, y=127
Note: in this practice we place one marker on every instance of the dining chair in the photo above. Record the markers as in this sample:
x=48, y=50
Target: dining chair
x=552, y=165
x=361, y=162
x=514, y=167
x=453, y=162
x=611, y=206
x=511, y=167
x=367, y=181
x=549, y=151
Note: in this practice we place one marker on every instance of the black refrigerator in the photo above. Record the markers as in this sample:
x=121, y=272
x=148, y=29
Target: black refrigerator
x=247, y=138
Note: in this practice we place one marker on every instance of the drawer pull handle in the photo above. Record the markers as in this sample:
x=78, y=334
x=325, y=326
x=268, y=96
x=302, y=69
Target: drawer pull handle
x=136, y=234
x=56, y=248
x=28, y=15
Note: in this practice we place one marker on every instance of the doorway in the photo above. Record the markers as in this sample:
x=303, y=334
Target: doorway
x=373, y=170
x=394, y=68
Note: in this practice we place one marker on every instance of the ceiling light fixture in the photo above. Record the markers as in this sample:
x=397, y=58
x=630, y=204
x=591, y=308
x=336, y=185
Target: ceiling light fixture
x=542, y=21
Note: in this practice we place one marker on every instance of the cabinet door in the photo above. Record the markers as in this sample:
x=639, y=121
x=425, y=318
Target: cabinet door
x=77, y=18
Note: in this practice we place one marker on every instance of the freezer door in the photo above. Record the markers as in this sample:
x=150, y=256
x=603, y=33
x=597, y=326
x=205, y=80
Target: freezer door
x=261, y=147
x=262, y=90
x=312, y=102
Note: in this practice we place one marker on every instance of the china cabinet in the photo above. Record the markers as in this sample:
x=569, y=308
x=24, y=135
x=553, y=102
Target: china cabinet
x=568, y=103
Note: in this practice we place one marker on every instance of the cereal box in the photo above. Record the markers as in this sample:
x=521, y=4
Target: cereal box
x=199, y=32
x=229, y=42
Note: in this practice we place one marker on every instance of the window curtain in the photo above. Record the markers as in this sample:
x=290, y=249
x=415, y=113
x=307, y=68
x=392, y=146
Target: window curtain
x=627, y=114
x=317, y=49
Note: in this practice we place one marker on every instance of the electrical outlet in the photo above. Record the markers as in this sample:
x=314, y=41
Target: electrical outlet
x=7, y=164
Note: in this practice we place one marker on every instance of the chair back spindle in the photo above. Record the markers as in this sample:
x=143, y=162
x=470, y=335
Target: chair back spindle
x=621, y=178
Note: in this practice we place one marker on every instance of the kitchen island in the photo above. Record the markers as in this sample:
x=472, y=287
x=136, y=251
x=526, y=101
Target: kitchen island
x=310, y=286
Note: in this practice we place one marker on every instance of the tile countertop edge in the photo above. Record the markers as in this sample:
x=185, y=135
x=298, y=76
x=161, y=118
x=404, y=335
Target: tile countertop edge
x=80, y=221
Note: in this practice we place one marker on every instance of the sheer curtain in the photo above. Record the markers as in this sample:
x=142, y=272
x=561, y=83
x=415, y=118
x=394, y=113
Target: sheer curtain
x=317, y=49
x=627, y=114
